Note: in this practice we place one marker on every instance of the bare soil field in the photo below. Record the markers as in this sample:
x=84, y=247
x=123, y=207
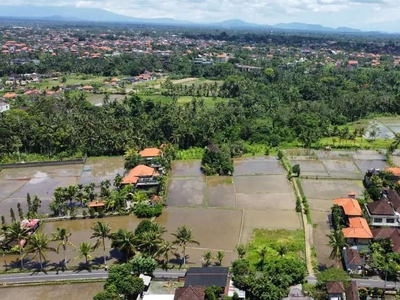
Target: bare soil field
x=329, y=189
x=268, y=219
x=258, y=166
x=320, y=233
x=273, y=201
x=262, y=184
x=321, y=204
x=365, y=165
x=186, y=191
x=311, y=167
x=187, y=168
x=81, y=291
x=221, y=192
x=340, y=166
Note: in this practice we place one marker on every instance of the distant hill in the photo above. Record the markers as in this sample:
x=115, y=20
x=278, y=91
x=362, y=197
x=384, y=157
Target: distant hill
x=71, y=13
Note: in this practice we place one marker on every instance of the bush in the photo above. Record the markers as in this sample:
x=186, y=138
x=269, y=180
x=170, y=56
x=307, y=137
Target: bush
x=84, y=214
x=280, y=154
x=142, y=210
x=298, y=205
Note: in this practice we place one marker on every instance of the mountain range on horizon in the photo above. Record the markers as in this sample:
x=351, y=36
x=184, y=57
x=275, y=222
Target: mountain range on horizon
x=85, y=14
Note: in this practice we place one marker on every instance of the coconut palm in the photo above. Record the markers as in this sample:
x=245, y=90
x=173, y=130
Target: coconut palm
x=84, y=250
x=101, y=231
x=183, y=236
x=38, y=244
x=336, y=242
x=165, y=249
x=148, y=243
x=124, y=241
x=241, y=250
x=220, y=257
x=61, y=236
x=16, y=233
x=207, y=257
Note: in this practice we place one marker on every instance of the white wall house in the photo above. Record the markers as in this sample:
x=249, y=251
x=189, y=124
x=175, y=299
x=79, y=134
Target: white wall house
x=4, y=107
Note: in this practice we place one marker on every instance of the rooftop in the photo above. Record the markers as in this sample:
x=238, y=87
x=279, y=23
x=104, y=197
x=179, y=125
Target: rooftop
x=217, y=276
x=334, y=287
x=350, y=206
x=139, y=171
x=358, y=228
x=190, y=293
x=380, y=207
x=150, y=152
x=394, y=170
x=392, y=233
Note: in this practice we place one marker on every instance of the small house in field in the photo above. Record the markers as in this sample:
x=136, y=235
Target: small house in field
x=150, y=153
x=96, y=205
x=141, y=175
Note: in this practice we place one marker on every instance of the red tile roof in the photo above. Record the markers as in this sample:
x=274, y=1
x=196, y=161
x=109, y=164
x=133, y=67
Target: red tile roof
x=150, y=152
x=358, y=228
x=334, y=287
x=394, y=170
x=139, y=171
x=96, y=204
x=190, y=293
x=350, y=206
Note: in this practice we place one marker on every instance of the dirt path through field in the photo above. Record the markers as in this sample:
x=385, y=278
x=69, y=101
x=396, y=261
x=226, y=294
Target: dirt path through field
x=308, y=234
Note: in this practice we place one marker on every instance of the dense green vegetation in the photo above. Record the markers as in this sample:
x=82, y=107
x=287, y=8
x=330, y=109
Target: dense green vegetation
x=288, y=106
x=271, y=263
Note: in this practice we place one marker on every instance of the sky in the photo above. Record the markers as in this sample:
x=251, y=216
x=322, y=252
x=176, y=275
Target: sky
x=361, y=14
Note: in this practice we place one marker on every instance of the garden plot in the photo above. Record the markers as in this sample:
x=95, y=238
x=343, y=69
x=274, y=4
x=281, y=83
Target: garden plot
x=268, y=219
x=186, y=191
x=221, y=192
x=321, y=204
x=330, y=189
x=257, y=166
x=274, y=201
x=188, y=168
x=335, y=155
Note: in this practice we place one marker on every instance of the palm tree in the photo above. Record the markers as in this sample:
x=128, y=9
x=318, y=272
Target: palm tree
x=149, y=242
x=84, y=250
x=61, y=236
x=262, y=252
x=337, y=242
x=124, y=241
x=38, y=244
x=241, y=250
x=164, y=250
x=395, y=143
x=101, y=231
x=183, y=236
x=15, y=232
x=207, y=257
x=220, y=257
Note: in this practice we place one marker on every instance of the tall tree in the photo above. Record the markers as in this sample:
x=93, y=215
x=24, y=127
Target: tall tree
x=38, y=245
x=336, y=242
x=84, y=250
x=61, y=236
x=16, y=233
x=124, y=241
x=184, y=236
x=101, y=231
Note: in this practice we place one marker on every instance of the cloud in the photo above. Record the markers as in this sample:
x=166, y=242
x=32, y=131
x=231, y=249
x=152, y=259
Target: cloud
x=326, y=12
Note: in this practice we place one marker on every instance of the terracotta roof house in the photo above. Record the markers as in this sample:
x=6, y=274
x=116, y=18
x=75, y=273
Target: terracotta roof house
x=352, y=261
x=358, y=232
x=350, y=206
x=190, y=293
x=335, y=290
x=391, y=233
x=96, y=204
x=204, y=276
x=9, y=95
x=150, y=153
x=141, y=175
x=394, y=170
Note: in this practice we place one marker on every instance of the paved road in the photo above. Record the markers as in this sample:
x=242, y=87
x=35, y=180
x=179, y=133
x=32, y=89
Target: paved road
x=71, y=275
x=378, y=283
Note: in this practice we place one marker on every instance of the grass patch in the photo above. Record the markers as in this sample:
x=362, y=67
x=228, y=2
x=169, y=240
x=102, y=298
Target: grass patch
x=291, y=240
x=191, y=153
